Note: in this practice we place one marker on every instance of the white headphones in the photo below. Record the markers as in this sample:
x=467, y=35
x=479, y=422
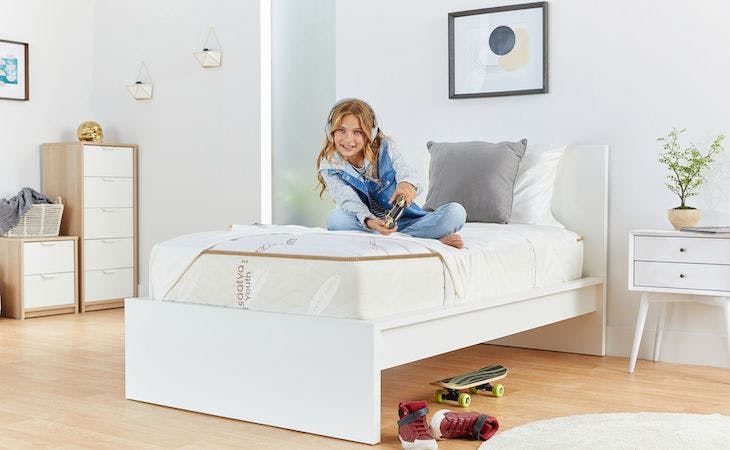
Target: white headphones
x=328, y=124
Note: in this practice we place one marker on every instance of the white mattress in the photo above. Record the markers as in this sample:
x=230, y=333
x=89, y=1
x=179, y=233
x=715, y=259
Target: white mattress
x=365, y=276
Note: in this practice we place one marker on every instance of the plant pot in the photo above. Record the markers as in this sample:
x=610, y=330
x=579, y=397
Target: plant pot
x=683, y=217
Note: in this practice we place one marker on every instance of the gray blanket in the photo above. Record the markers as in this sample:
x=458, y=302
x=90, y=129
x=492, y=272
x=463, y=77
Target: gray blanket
x=11, y=211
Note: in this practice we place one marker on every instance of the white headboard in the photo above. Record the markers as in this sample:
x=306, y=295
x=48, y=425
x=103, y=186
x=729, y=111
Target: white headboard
x=580, y=202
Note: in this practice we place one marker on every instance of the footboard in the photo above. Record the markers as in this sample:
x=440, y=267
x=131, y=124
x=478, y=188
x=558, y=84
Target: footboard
x=285, y=370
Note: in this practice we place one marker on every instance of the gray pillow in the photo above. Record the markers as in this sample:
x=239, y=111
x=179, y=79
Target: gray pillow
x=479, y=175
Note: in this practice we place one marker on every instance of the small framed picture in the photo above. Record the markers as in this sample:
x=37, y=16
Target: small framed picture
x=498, y=51
x=13, y=70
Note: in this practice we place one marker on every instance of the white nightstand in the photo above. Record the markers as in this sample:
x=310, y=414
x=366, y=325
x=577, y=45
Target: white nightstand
x=38, y=276
x=672, y=266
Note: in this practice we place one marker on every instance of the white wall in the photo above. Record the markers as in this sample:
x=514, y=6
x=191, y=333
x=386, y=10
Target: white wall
x=621, y=73
x=60, y=38
x=199, y=157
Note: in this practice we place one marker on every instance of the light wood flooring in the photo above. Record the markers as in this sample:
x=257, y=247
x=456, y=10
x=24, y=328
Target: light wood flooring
x=62, y=385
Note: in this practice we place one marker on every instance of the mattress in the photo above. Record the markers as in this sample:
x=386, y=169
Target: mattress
x=362, y=275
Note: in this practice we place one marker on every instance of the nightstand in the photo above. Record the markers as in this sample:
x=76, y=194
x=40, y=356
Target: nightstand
x=671, y=266
x=38, y=276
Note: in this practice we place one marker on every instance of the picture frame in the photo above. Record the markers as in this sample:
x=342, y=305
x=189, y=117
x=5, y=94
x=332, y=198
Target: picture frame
x=14, y=80
x=498, y=51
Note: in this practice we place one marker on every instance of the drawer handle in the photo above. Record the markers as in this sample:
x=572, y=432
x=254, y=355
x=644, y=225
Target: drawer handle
x=107, y=210
x=681, y=275
x=48, y=277
x=108, y=241
x=682, y=250
x=48, y=244
x=108, y=272
x=107, y=180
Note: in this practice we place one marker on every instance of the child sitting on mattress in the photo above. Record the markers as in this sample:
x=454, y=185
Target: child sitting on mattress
x=365, y=174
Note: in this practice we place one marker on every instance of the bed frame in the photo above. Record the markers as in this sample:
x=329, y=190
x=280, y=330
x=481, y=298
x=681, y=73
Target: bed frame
x=322, y=375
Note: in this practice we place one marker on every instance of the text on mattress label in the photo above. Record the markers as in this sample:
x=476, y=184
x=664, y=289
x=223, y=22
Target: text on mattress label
x=243, y=283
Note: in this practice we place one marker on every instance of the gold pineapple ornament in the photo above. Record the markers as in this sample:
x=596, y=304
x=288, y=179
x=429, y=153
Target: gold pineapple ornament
x=90, y=131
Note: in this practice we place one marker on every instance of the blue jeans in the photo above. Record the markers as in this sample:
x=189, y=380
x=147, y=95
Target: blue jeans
x=446, y=219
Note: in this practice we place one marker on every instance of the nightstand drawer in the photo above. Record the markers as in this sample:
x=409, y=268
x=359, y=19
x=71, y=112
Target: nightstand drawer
x=710, y=277
x=110, y=192
x=48, y=257
x=680, y=249
x=46, y=290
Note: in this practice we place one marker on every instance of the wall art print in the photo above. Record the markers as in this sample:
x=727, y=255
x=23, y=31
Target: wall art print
x=498, y=51
x=13, y=70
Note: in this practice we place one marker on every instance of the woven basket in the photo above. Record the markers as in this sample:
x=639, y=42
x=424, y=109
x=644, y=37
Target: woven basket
x=41, y=220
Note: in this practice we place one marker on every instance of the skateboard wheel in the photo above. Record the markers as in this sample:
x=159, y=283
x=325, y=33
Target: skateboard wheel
x=439, y=396
x=474, y=390
x=498, y=390
x=464, y=400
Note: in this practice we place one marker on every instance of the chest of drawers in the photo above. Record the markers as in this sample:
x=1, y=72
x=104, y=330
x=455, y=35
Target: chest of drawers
x=38, y=276
x=98, y=183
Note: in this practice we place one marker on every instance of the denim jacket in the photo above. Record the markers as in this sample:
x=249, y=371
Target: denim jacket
x=340, y=172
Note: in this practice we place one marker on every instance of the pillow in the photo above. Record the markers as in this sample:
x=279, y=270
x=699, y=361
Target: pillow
x=479, y=175
x=534, y=185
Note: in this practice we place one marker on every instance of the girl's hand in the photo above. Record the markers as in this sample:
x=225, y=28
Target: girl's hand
x=379, y=226
x=408, y=191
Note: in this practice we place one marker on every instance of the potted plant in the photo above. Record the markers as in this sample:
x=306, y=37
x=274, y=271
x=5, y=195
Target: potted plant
x=685, y=166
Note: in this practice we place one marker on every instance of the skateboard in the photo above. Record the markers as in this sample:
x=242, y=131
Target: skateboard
x=476, y=381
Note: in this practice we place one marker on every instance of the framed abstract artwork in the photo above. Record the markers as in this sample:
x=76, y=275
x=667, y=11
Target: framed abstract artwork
x=13, y=70
x=498, y=51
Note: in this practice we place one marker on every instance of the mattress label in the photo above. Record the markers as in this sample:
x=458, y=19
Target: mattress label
x=243, y=283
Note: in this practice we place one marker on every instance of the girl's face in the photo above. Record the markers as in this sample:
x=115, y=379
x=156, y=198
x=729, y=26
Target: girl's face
x=350, y=139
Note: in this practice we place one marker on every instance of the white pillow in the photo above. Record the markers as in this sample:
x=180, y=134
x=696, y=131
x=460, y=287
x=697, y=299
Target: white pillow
x=533, y=192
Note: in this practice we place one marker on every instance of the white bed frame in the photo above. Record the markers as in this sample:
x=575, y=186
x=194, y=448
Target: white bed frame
x=322, y=375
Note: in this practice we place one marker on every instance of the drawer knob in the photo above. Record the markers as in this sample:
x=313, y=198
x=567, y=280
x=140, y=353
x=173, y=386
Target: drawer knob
x=682, y=250
x=681, y=275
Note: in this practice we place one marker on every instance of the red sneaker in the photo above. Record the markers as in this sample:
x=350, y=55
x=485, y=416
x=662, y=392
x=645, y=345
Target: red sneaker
x=413, y=429
x=471, y=425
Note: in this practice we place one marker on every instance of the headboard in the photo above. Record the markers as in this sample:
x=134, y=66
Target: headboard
x=580, y=202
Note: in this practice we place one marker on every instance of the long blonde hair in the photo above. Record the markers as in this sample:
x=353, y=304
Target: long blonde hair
x=365, y=115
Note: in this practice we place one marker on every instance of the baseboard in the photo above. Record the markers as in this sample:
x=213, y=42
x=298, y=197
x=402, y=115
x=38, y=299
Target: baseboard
x=677, y=347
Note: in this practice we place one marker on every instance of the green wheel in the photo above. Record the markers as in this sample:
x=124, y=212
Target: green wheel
x=497, y=390
x=474, y=390
x=439, y=396
x=464, y=400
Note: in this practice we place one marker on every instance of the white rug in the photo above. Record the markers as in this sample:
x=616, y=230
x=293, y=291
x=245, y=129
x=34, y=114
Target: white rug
x=618, y=431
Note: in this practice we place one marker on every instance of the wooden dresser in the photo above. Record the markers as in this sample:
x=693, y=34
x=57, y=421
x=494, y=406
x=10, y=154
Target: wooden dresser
x=98, y=184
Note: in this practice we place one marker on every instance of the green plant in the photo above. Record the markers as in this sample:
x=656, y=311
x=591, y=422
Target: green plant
x=686, y=164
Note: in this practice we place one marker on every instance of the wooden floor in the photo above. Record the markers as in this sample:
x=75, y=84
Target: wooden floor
x=62, y=384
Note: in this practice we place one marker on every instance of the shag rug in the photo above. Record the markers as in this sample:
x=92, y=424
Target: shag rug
x=618, y=431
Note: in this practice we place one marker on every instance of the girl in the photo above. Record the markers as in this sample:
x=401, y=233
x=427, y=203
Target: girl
x=365, y=175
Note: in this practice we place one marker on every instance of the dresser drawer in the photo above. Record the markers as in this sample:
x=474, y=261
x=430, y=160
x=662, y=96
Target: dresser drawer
x=108, y=223
x=46, y=290
x=48, y=257
x=679, y=249
x=108, y=284
x=110, y=192
x=710, y=277
x=108, y=161
x=108, y=253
